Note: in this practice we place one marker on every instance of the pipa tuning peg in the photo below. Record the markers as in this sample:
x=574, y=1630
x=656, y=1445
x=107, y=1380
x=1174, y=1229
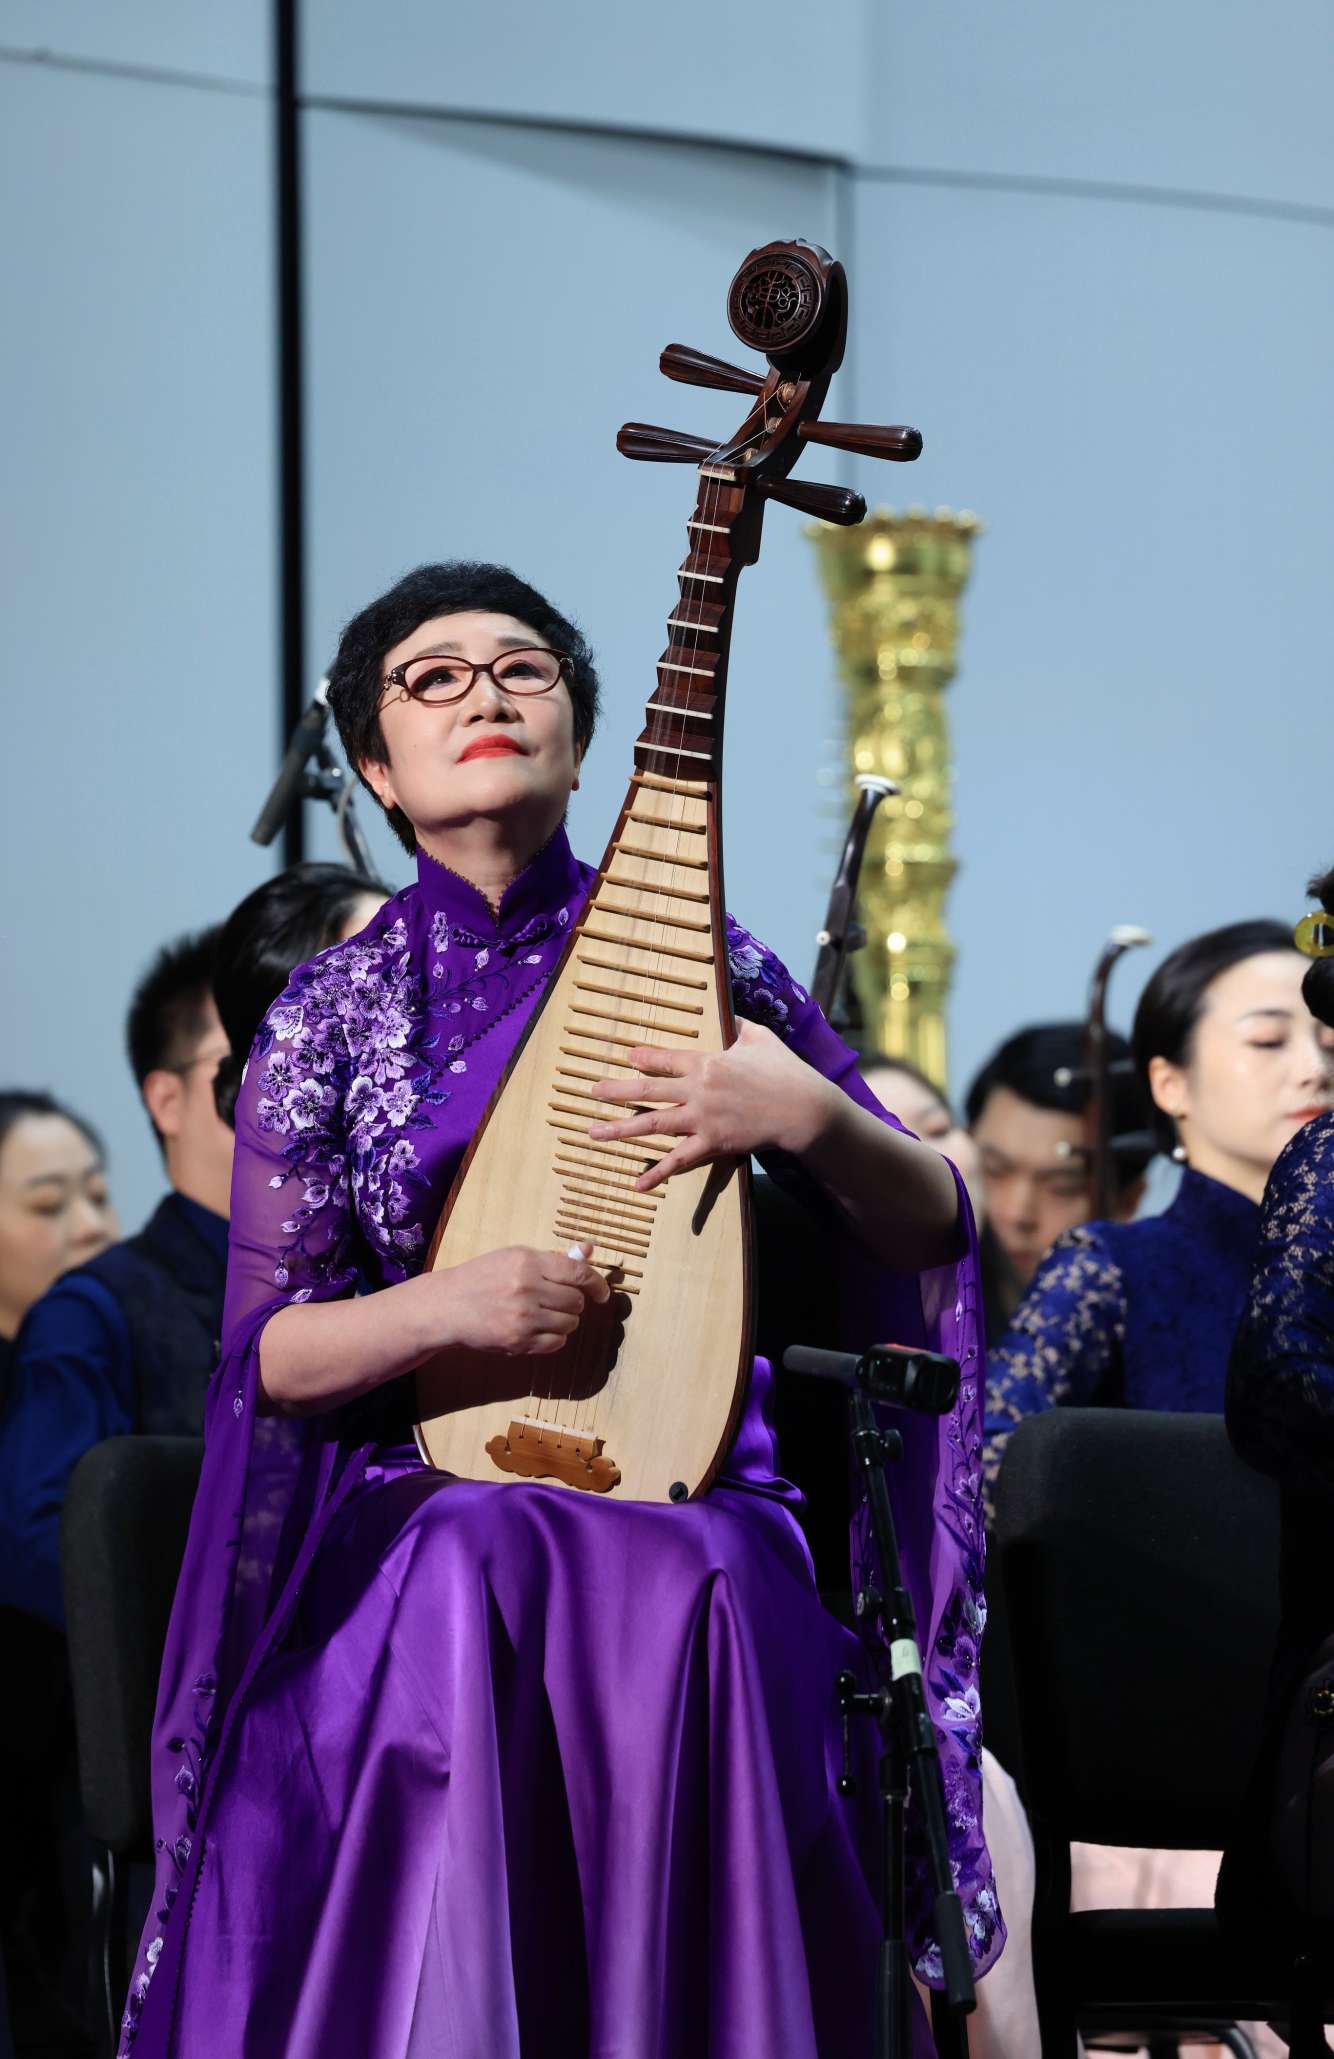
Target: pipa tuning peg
x=693, y=368
x=902, y=444
x=662, y=446
x=828, y=503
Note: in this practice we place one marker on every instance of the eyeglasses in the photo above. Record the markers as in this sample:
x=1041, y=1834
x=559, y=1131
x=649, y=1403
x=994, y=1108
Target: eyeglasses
x=438, y=681
x=1314, y=935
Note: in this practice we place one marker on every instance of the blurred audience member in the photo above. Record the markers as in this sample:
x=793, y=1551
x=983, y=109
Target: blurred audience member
x=1026, y=1113
x=907, y=1092
x=55, y=1205
x=127, y=1340
x=126, y=1343
x=1141, y=1314
x=1280, y=1416
x=55, y=1211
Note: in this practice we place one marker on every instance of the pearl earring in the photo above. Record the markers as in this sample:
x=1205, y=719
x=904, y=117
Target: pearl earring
x=1179, y=1153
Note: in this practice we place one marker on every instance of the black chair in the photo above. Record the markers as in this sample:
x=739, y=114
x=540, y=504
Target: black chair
x=1140, y=1563
x=123, y=1535
x=797, y=1302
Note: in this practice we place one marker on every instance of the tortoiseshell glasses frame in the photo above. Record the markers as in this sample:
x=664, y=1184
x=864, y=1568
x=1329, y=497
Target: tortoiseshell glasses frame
x=438, y=682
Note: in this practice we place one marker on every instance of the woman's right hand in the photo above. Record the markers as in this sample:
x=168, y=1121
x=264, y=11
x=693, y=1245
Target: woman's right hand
x=514, y=1303
x=519, y=1301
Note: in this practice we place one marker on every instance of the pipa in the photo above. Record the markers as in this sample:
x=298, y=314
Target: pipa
x=643, y=1402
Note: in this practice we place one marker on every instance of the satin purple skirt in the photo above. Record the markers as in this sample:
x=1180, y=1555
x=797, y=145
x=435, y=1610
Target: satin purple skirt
x=539, y=1778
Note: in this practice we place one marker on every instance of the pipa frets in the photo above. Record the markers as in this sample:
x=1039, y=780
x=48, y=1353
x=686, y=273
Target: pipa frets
x=659, y=1397
x=643, y=967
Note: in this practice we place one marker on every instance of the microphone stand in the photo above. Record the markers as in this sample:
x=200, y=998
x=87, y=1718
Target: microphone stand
x=909, y=1759
x=310, y=772
x=842, y=934
x=327, y=781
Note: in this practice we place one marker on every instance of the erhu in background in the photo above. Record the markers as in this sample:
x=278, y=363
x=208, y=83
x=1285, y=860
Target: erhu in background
x=1100, y=1069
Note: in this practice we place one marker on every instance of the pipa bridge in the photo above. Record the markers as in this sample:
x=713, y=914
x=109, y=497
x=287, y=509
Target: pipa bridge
x=538, y=1450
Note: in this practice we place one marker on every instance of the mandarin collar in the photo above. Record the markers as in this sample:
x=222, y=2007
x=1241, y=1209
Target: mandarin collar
x=549, y=880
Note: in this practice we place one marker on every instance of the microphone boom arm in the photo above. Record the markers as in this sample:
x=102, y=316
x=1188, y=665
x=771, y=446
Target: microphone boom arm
x=310, y=772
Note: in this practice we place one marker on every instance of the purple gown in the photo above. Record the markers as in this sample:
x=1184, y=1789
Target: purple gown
x=471, y=1771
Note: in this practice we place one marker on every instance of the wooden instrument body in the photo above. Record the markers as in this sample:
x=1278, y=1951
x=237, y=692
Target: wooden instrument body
x=644, y=1401
x=659, y=1386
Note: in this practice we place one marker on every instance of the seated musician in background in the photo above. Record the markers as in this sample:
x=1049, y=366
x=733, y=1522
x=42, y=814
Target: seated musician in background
x=129, y=1342
x=285, y=922
x=55, y=1205
x=1028, y=1123
x=55, y=1212
x=129, y=1339
x=476, y=1767
x=1280, y=1417
x=921, y=1107
x=1141, y=1314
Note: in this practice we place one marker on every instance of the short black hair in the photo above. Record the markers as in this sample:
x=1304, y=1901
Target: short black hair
x=283, y=923
x=1029, y=1063
x=169, y=1010
x=1318, y=986
x=1173, y=1001
x=17, y=1103
x=454, y=588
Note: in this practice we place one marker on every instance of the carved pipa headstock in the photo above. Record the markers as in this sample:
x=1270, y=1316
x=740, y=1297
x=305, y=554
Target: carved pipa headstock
x=790, y=302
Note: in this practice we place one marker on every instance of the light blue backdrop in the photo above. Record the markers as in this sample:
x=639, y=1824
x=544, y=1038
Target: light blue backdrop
x=1091, y=259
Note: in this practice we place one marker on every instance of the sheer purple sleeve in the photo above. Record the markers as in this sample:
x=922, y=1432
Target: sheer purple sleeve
x=935, y=1488
x=291, y=1240
x=291, y=1234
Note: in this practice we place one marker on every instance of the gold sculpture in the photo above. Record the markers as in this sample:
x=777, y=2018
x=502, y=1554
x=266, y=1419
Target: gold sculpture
x=894, y=585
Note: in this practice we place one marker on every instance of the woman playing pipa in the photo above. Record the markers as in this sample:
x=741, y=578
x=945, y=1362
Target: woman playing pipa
x=503, y=1759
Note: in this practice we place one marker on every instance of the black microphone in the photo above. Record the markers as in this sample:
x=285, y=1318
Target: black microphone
x=286, y=790
x=925, y=1381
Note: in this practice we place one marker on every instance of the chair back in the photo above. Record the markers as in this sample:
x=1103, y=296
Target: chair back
x=123, y=1532
x=1140, y=1562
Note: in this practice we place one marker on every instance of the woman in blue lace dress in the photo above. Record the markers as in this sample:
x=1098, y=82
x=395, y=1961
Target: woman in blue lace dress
x=1280, y=1417
x=1141, y=1314
x=455, y=1769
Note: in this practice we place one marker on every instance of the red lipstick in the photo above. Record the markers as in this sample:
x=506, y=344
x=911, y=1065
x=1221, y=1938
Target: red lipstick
x=490, y=747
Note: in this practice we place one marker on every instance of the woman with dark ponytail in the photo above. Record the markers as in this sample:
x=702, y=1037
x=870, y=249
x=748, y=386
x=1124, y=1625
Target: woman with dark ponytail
x=1141, y=1314
x=284, y=923
x=1280, y=1416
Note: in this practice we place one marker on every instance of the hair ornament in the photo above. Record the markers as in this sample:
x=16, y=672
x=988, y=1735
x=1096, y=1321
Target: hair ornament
x=1314, y=934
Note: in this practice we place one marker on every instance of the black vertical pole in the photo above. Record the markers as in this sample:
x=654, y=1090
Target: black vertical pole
x=291, y=455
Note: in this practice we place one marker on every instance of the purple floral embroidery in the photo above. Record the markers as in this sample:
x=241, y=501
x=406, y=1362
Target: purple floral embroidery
x=349, y=1063
x=347, y=1069
x=352, y=1065
x=763, y=989
x=192, y=1752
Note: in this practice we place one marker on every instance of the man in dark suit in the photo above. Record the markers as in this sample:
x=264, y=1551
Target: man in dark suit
x=127, y=1341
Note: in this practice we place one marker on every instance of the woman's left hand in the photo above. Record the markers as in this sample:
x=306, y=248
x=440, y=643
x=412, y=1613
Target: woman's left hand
x=753, y=1096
